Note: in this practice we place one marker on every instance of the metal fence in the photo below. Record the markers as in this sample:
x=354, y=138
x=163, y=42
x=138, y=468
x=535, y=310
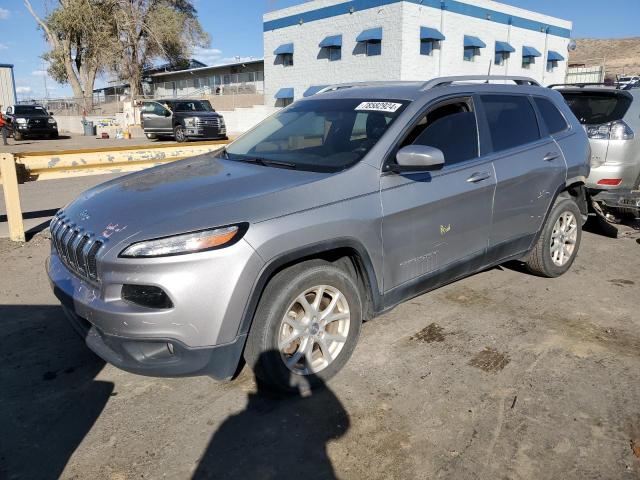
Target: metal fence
x=226, y=84
x=100, y=104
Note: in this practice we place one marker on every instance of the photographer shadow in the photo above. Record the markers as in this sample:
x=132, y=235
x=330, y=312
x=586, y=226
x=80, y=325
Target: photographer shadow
x=277, y=436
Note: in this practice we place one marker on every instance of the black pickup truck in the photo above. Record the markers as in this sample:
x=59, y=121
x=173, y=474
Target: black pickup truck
x=30, y=120
x=182, y=119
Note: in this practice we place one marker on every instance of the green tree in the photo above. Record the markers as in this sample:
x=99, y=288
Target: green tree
x=149, y=30
x=80, y=36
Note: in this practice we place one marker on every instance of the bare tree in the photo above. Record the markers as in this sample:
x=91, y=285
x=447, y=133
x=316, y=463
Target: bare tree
x=80, y=34
x=148, y=30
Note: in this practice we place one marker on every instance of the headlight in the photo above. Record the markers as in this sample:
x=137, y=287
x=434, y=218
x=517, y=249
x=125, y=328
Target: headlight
x=190, y=122
x=187, y=242
x=51, y=120
x=21, y=121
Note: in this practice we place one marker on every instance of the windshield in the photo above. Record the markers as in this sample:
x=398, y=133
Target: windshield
x=193, y=106
x=596, y=108
x=29, y=110
x=321, y=135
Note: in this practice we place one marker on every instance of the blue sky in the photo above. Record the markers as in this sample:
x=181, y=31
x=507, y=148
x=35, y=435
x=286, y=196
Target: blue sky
x=235, y=27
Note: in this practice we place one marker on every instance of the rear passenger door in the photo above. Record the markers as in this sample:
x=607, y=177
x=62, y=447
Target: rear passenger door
x=529, y=168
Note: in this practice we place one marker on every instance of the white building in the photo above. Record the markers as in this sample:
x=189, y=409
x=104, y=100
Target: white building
x=332, y=41
x=7, y=86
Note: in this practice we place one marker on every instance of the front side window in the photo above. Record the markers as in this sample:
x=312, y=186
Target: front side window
x=193, y=106
x=319, y=135
x=373, y=48
x=452, y=128
x=153, y=108
x=511, y=119
x=470, y=53
x=550, y=115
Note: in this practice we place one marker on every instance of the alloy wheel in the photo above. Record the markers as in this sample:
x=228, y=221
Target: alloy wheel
x=563, y=238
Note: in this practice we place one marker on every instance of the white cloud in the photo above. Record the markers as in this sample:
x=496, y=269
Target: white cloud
x=4, y=13
x=24, y=90
x=3, y=46
x=39, y=73
x=207, y=55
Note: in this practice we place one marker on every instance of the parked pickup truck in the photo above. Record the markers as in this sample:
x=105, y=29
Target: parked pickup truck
x=31, y=120
x=330, y=212
x=182, y=119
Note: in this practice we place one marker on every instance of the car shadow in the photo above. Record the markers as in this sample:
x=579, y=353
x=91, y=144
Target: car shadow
x=277, y=436
x=50, y=398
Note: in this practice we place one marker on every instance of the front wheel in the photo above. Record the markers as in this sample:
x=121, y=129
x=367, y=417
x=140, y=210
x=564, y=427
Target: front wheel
x=17, y=136
x=306, y=326
x=557, y=247
x=179, y=134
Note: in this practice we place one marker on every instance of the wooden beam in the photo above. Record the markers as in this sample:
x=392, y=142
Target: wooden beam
x=11, y=197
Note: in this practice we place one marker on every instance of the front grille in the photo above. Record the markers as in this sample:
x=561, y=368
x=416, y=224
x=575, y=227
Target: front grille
x=76, y=248
x=209, y=122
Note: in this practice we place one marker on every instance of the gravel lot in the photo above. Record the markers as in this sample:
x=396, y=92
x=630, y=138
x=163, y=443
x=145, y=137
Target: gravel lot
x=501, y=375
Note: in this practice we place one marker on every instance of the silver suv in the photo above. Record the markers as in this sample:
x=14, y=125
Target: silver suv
x=328, y=213
x=611, y=118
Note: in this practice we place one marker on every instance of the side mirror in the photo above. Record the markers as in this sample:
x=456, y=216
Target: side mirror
x=167, y=113
x=413, y=158
x=50, y=113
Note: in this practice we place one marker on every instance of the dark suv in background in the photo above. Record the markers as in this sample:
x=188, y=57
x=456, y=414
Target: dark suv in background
x=31, y=120
x=182, y=119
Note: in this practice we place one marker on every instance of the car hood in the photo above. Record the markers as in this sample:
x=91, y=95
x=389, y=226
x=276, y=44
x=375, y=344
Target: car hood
x=199, y=114
x=197, y=193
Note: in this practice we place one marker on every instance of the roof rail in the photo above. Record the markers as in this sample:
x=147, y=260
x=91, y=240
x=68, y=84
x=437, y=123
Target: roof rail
x=442, y=81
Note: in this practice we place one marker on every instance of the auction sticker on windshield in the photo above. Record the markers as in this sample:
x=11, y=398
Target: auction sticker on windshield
x=379, y=106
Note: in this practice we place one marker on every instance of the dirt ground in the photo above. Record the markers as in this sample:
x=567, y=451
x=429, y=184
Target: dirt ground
x=502, y=375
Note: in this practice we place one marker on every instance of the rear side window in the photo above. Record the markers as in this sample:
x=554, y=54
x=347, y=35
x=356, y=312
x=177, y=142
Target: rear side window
x=551, y=115
x=596, y=108
x=512, y=121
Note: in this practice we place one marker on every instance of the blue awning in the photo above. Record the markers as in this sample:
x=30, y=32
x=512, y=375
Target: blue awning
x=371, y=35
x=312, y=90
x=504, y=47
x=333, y=41
x=554, y=56
x=285, y=49
x=284, y=93
x=470, y=41
x=530, y=52
x=427, y=33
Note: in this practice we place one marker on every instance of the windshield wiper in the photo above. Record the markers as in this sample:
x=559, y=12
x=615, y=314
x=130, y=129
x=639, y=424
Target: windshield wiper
x=267, y=163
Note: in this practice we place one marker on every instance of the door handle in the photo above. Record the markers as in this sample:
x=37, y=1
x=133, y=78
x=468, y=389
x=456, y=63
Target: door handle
x=550, y=156
x=478, y=177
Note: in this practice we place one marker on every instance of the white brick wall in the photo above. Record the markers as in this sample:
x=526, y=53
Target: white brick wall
x=401, y=59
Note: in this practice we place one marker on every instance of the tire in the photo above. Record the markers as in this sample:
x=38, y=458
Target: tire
x=179, y=134
x=151, y=136
x=17, y=136
x=563, y=229
x=53, y=136
x=270, y=327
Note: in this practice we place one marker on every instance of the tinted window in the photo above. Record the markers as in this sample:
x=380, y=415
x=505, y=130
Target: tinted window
x=455, y=134
x=196, y=106
x=512, y=121
x=552, y=117
x=595, y=108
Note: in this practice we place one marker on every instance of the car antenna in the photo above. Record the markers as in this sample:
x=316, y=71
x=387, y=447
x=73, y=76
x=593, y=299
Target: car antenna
x=489, y=72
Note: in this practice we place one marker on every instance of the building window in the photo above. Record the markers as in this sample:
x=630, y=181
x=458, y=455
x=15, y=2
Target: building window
x=501, y=57
x=285, y=102
x=373, y=48
x=335, y=53
x=552, y=65
x=470, y=53
x=287, y=59
x=527, y=62
x=428, y=46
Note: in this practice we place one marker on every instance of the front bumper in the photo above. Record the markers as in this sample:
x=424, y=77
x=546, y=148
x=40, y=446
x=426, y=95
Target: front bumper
x=206, y=132
x=36, y=130
x=198, y=335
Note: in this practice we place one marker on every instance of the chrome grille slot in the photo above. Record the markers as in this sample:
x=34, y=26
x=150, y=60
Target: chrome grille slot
x=77, y=249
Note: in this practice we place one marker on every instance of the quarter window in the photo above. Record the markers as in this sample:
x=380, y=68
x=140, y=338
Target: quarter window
x=550, y=115
x=511, y=119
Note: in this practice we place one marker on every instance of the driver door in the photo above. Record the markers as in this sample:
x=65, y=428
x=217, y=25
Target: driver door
x=156, y=118
x=436, y=224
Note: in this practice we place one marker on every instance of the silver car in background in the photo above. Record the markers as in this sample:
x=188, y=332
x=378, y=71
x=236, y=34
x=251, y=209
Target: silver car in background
x=611, y=118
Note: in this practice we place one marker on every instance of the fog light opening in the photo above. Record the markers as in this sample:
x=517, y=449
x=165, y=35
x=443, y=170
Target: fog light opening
x=146, y=296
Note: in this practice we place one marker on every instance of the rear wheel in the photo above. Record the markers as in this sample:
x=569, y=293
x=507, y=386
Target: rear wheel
x=559, y=240
x=179, y=134
x=306, y=326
